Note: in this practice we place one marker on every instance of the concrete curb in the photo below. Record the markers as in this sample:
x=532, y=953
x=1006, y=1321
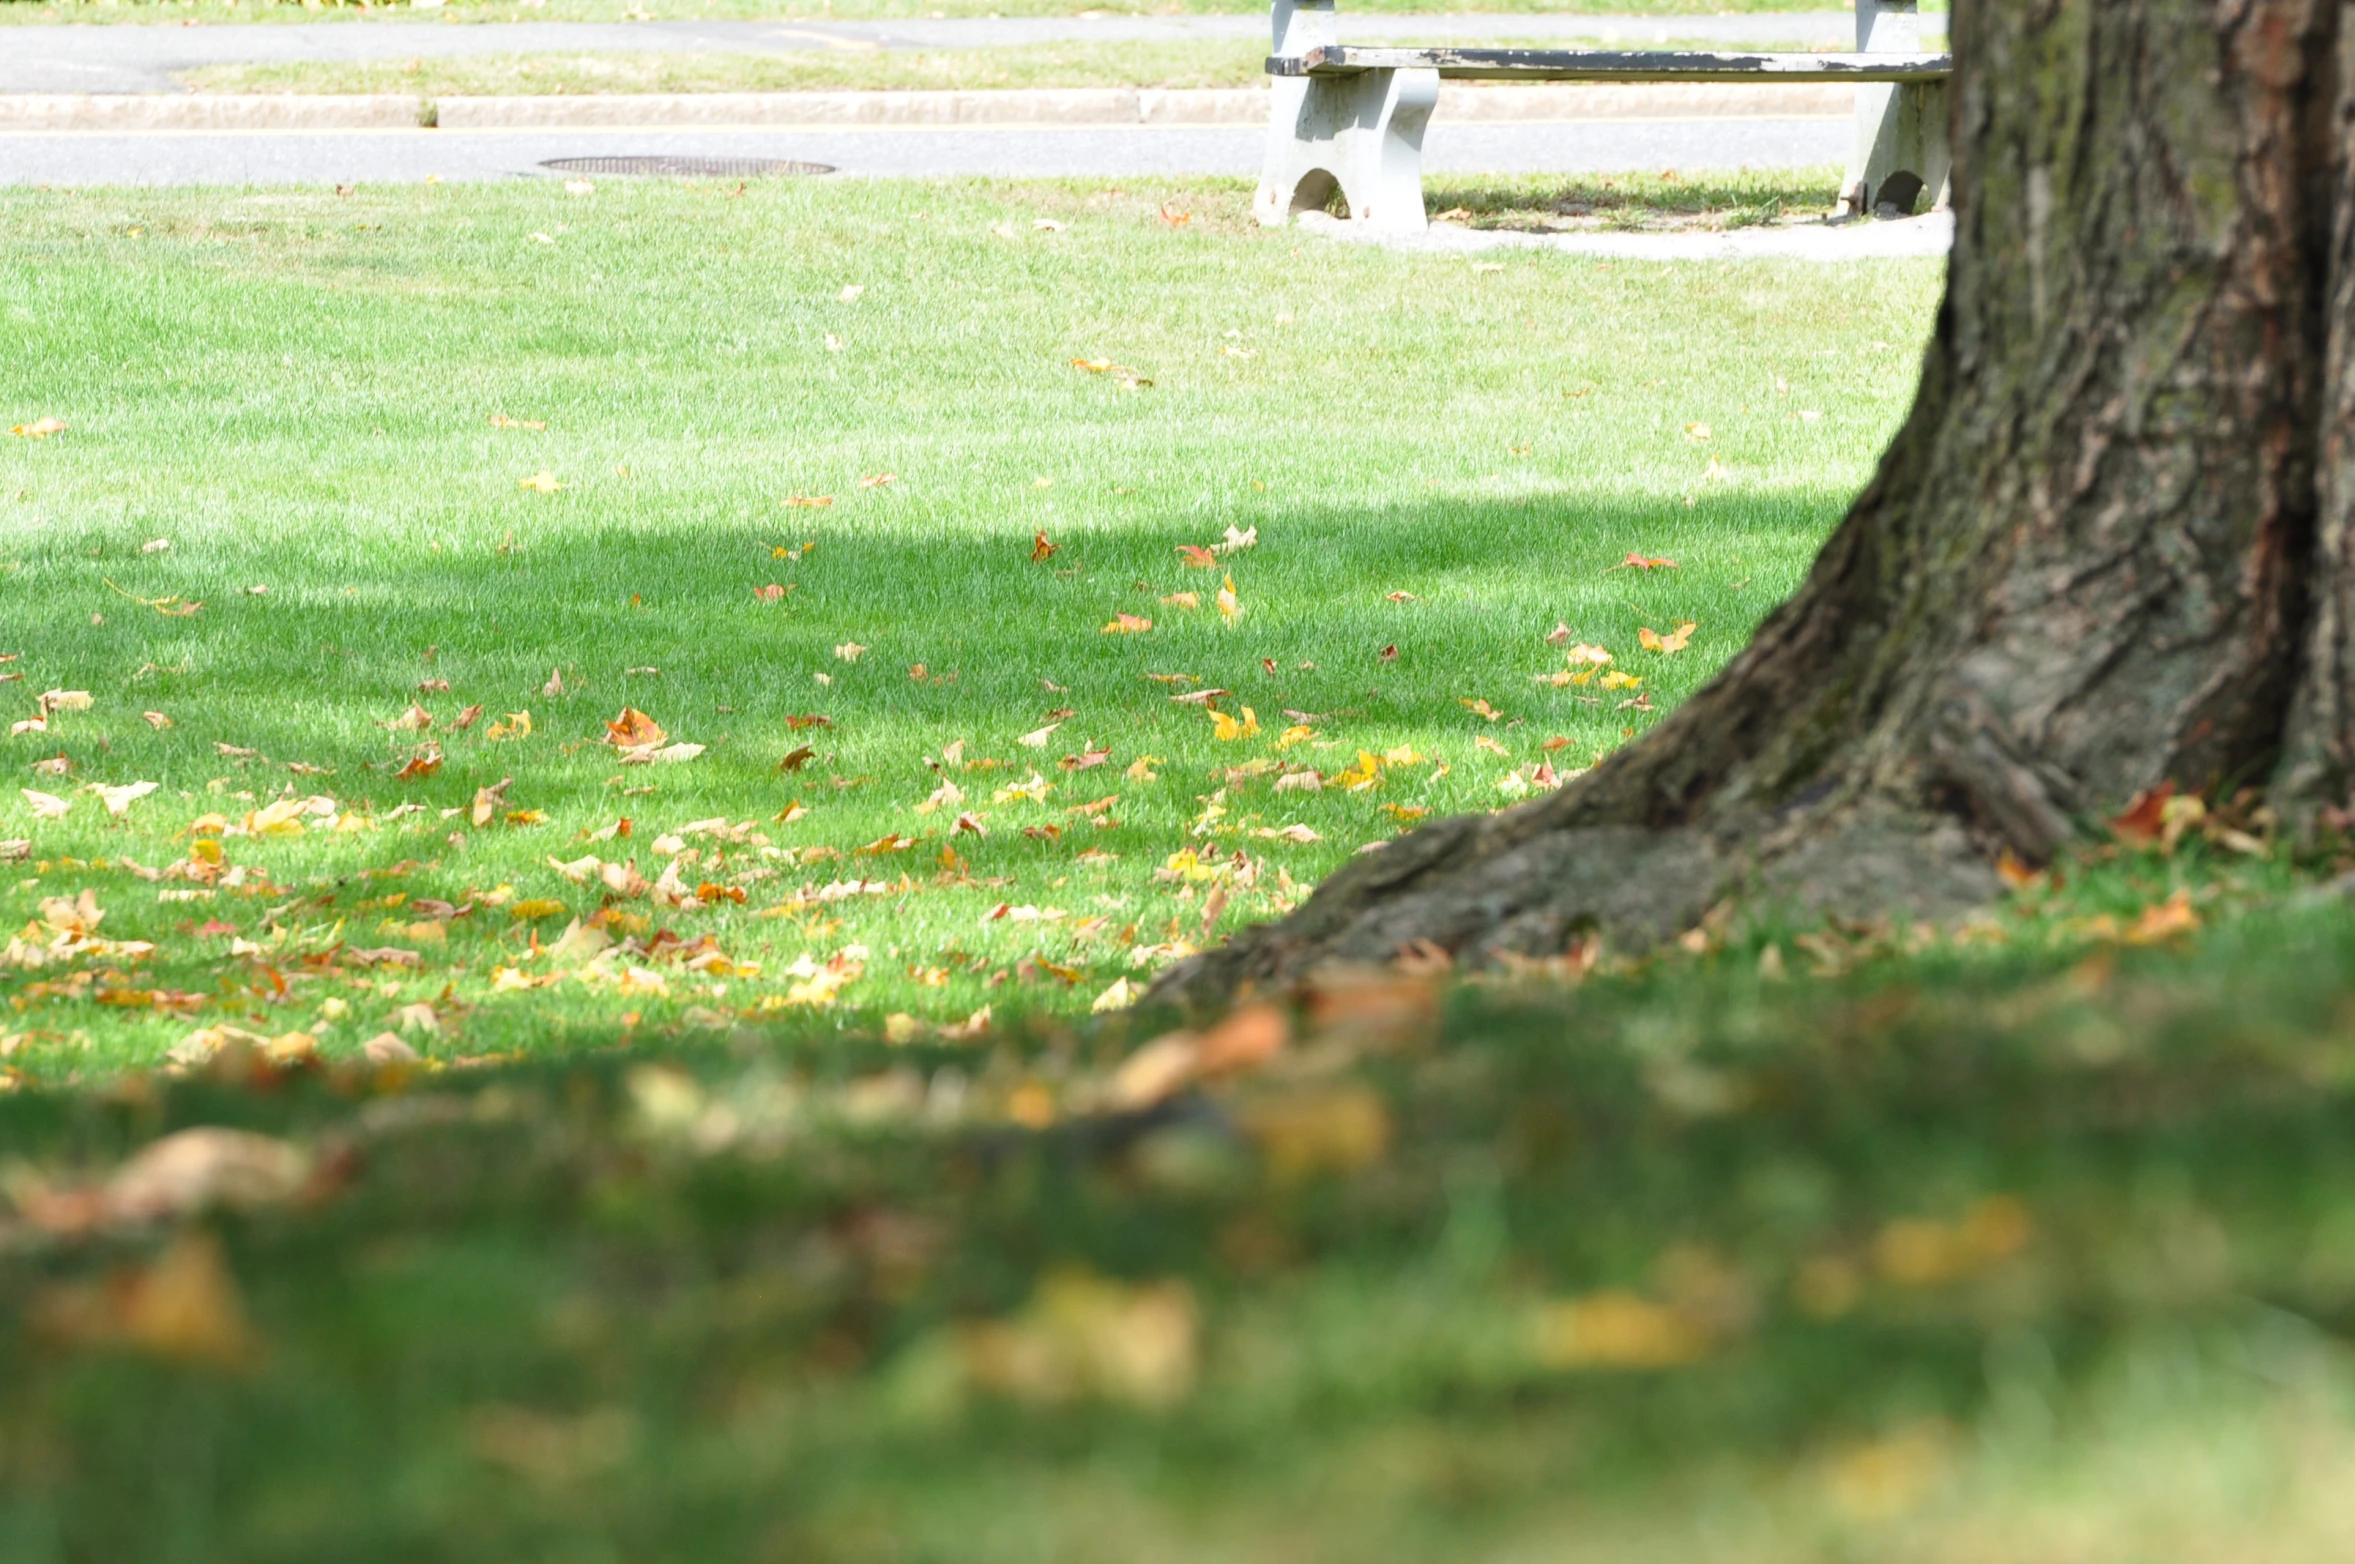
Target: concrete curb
x=158, y=111
x=1458, y=102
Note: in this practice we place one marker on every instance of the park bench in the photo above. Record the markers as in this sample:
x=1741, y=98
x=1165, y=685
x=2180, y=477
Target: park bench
x=1350, y=120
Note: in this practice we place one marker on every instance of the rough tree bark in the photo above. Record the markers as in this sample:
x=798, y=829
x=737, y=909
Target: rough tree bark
x=2113, y=545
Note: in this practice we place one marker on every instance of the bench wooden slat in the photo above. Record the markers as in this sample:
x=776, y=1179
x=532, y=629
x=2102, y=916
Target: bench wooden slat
x=1611, y=65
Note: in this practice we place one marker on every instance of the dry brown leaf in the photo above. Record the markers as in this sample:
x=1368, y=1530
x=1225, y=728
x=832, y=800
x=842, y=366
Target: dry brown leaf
x=488, y=801
x=199, y=1169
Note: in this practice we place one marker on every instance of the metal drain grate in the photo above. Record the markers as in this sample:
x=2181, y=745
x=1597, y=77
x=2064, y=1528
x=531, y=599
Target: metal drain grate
x=685, y=167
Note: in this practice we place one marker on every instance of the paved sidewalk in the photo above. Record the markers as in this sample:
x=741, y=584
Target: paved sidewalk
x=142, y=57
x=372, y=156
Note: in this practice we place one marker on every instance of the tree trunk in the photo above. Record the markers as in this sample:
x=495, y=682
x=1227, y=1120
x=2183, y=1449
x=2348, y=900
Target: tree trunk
x=2113, y=545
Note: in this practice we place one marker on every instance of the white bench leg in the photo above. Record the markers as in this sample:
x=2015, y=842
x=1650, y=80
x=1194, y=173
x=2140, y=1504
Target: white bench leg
x=1901, y=153
x=1362, y=134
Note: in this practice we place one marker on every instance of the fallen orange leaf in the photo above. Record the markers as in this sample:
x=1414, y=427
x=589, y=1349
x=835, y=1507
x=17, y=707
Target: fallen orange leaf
x=2164, y=920
x=633, y=729
x=2145, y=817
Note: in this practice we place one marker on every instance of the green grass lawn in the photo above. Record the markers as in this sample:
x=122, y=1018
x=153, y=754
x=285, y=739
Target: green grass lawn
x=36, y=12
x=284, y=407
x=2028, y=1241
x=1185, y=63
x=1180, y=63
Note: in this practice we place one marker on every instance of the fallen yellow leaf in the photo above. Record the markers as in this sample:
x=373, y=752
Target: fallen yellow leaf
x=1227, y=729
x=1618, y=1330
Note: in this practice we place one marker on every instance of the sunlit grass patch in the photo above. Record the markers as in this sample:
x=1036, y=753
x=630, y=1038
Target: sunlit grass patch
x=40, y=12
x=1181, y=63
x=739, y=457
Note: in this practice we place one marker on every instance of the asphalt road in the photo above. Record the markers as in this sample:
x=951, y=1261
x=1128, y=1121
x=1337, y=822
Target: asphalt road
x=345, y=157
x=137, y=57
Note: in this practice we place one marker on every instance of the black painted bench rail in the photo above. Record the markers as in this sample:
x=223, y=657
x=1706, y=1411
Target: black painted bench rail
x=1606, y=65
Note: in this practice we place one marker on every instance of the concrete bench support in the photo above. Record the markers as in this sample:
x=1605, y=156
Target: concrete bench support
x=1901, y=150
x=1360, y=135
x=1351, y=120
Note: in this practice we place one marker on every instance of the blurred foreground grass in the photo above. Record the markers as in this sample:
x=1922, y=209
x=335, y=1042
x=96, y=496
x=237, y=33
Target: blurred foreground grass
x=1971, y=1254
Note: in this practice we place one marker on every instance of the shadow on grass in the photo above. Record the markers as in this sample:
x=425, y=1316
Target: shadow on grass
x=668, y=617
x=1668, y=200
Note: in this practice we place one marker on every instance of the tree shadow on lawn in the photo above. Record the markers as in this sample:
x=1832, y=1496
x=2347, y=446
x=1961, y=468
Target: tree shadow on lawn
x=671, y=618
x=706, y=1297
x=310, y=676
x=1635, y=202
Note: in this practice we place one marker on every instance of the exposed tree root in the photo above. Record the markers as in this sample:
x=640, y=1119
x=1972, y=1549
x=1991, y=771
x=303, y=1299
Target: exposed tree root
x=2110, y=546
